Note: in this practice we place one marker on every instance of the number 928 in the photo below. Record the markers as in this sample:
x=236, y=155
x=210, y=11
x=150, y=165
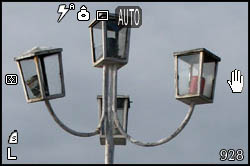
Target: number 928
x=231, y=155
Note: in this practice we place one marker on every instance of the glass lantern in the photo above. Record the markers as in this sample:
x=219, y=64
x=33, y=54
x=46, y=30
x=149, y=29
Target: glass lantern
x=41, y=73
x=109, y=42
x=123, y=105
x=195, y=75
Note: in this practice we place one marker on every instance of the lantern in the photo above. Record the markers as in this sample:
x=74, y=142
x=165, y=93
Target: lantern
x=109, y=42
x=123, y=105
x=41, y=73
x=195, y=75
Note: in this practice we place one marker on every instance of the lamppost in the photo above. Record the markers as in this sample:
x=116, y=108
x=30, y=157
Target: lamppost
x=41, y=72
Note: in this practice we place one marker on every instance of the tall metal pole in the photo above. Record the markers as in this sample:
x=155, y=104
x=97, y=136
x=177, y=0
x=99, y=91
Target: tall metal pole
x=109, y=102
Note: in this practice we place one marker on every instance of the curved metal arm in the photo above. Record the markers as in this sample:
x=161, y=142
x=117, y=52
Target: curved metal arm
x=73, y=132
x=161, y=141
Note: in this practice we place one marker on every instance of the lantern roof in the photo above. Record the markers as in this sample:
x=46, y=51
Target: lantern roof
x=197, y=50
x=38, y=51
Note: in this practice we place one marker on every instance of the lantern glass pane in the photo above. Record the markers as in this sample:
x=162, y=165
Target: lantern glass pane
x=97, y=37
x=188, y=71
x=51, y=74
x=120, y=115
x=30, y=78
x=122, y=40
x=116, y=40
x=208, y=74
x=120, y=103
x=120, y=118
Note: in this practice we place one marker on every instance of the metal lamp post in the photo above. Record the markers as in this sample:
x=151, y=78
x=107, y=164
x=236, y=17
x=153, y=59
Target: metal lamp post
x=42, y=76
x=110, y=50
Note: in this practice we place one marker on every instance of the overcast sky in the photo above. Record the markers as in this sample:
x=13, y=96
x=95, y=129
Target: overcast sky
x=148, y=79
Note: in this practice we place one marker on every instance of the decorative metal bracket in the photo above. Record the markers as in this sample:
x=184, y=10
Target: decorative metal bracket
x=69, y=130
x=161, y=141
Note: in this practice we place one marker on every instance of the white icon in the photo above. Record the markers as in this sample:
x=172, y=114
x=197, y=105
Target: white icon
x=102, y=15
x=11, y=79
x=236, y=83
x=13, y=138
x=9, y=157
x=62, y=10
x=83, y=14
x=71, y=6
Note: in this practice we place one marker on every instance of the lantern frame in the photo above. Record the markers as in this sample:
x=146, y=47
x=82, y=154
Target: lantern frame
x=36, y=54
x=119, y=139
x=197, y=98
x=104, y=59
